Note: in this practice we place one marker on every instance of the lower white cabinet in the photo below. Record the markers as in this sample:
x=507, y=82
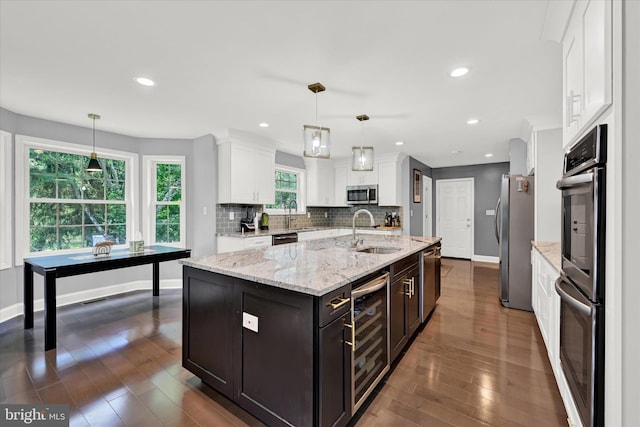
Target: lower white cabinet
x=546, y=306
x=232, y=244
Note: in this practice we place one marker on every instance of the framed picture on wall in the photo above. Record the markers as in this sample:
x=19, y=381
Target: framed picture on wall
x=417, y=187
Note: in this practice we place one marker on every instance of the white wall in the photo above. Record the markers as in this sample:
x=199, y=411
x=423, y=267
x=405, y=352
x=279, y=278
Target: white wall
x=548, y=170
x=630, y=213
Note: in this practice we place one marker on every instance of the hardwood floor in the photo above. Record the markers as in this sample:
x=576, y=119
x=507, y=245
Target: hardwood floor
x=118, y=362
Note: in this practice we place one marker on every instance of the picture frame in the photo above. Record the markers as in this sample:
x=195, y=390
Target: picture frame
x=417, y=185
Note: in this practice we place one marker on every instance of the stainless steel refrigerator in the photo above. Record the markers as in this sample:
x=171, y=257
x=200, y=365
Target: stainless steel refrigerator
x=514, y=232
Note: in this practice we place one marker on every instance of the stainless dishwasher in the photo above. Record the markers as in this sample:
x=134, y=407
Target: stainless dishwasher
x=369, y=337
x=430, y=281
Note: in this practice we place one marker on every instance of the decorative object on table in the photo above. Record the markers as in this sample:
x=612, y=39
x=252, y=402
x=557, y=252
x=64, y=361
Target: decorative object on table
x=136, y=245
x=417, y=187
x=93, y=165
x=362, y=157
x=102, y=248
x=317, y=139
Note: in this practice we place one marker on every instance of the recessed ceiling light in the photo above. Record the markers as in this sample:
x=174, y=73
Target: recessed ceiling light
x=459, y=72
x=472, y=121
x=399, y=143
x=488, y=155
x=264, y=125
x=145, y=81
x=456, y=152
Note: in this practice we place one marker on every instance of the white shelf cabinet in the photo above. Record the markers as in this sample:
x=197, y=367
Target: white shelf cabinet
x=586, y=66
x=362, y=177
x=245, y=174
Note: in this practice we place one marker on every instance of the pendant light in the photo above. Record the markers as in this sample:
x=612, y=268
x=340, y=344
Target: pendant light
x=362, y=157
x=93, y=165
x=317, y=139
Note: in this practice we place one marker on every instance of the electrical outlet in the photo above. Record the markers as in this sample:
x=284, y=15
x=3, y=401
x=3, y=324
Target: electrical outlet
x=231, y=215
x=204, y=210
x=326, y=215
x=308, y=214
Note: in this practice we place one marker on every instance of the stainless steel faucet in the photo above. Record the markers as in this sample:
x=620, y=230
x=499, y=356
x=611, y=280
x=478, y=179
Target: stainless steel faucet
x=355, y=215
x=294, y=203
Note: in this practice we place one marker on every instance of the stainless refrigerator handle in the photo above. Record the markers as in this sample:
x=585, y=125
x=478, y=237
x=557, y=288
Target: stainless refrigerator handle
x=583, y=178
x=496, y=220
x=564, y=295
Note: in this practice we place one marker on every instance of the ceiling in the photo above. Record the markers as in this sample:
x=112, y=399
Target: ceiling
x=234, y=64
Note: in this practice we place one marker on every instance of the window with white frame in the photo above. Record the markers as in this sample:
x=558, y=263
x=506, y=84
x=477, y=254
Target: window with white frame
x=65, y=207
x=164, y=210
x=290, y=188
x=6, y=228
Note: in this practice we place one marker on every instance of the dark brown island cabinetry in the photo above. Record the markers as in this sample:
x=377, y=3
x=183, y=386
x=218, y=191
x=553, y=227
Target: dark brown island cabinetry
x=404, y=303
x=292, y=358
x=295, y=370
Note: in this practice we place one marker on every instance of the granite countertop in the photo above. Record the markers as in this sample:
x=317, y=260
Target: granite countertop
x=260, y=233
x=551, y=251
x=315, y=267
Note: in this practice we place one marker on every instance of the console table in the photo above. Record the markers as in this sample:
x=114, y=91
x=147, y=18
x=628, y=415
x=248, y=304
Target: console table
x=54, y=266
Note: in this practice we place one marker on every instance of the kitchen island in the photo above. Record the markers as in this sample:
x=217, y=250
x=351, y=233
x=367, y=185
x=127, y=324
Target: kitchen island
x=272, y=328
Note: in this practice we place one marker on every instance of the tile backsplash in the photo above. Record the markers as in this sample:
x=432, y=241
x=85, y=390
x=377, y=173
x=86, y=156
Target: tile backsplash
x=335, y=217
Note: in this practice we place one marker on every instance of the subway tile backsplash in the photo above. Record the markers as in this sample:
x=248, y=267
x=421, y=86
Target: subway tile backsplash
x=335, y=217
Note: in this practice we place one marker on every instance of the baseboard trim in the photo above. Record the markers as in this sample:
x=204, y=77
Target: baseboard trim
x=485, y=258
x=87, y=295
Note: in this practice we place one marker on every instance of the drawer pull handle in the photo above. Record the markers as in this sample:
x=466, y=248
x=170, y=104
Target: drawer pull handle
x=338, y=302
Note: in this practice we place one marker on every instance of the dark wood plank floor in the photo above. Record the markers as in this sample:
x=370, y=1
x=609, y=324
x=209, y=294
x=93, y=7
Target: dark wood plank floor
x=118, y=363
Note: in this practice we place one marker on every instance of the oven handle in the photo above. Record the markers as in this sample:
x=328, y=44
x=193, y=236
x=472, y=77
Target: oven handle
x=372, y=286
x=564, y=295
x=572, y=181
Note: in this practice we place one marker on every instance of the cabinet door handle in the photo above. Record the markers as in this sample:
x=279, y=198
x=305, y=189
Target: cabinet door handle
x=407, y=282
x=353, y=336
x=338, y=302
x=413, y=286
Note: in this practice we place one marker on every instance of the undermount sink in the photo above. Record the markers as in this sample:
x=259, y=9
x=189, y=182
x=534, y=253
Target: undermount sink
x=379, y=250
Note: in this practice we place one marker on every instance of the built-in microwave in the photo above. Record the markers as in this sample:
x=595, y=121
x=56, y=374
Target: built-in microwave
x=362, y=194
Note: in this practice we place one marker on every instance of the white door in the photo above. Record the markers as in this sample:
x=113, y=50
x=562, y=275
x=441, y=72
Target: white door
x=427, y=194
x=454, y=216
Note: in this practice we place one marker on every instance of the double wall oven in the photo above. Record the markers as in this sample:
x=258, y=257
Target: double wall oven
x=581, y=285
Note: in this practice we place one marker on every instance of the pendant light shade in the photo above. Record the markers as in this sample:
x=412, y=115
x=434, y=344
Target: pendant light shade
x=93, y=165
x=317, y=139
x=362, y=157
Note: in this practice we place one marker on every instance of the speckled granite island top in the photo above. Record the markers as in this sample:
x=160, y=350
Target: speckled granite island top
x=315, y=267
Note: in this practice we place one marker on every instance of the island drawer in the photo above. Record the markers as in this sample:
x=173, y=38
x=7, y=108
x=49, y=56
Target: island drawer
x=334, y=304
x=398, y=268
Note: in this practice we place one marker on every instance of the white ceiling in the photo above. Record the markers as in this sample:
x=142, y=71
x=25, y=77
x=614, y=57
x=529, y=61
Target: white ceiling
x=234, y=64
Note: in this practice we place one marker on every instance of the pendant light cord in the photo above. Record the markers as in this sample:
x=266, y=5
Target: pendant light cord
x=94, y=134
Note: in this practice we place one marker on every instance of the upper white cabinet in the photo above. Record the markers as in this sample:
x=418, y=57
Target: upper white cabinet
x=320, y=182
x=245, y=171
x=340, y=185
x=586, y=66
x=389, y=171
x=362, y=177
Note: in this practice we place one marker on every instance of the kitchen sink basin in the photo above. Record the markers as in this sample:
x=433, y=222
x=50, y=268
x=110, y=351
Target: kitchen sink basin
x=379, y=250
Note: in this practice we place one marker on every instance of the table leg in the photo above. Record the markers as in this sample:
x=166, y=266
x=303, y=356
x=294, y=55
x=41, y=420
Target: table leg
x=49, y=309
x=156, y=279
x=28, y=295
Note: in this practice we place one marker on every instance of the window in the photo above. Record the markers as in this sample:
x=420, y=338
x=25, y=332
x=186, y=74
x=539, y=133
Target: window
x=164, y=200
x=289, y=183
x=67, y=208
x=6, y=228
